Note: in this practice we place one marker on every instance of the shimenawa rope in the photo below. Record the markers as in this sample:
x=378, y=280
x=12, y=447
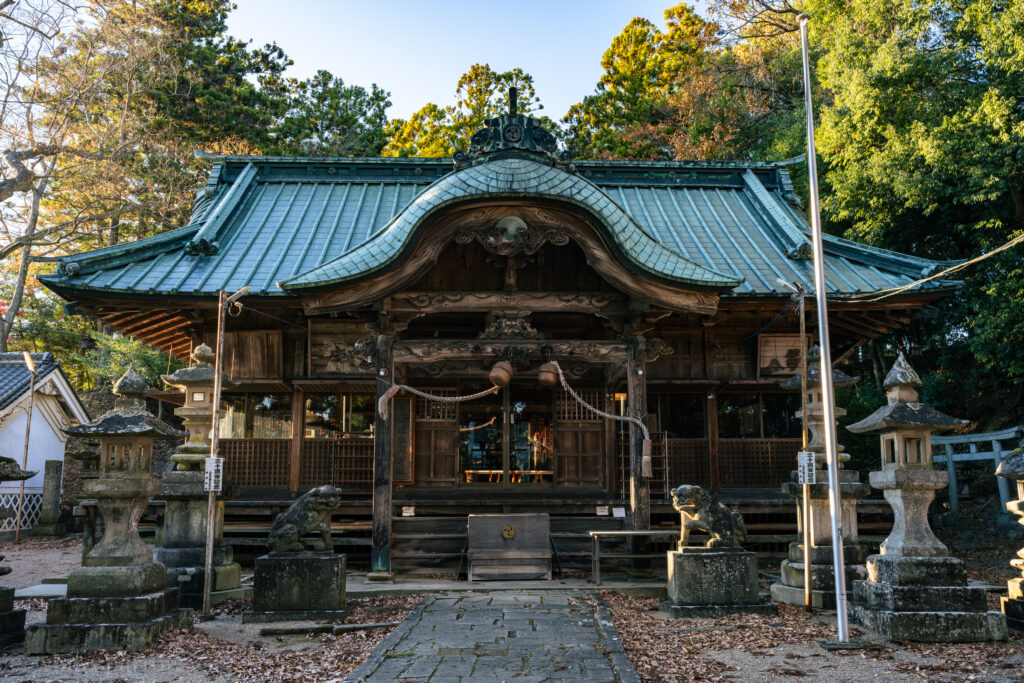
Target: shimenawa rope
x=382, y=403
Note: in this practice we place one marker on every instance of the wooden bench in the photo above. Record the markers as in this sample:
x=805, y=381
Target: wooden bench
x=596, y=536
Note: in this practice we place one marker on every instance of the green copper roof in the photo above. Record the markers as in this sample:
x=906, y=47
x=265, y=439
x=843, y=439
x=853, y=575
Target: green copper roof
x=261, y=221
x=508, y=178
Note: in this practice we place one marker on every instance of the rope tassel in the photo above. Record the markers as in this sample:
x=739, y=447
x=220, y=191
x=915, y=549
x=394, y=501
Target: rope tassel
x=646, y=469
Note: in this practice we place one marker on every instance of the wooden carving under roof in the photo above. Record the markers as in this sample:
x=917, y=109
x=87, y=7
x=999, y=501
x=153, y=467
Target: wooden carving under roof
x=499, y=228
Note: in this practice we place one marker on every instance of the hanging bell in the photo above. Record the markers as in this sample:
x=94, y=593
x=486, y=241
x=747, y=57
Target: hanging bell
x=501, y=374
x=547, y=375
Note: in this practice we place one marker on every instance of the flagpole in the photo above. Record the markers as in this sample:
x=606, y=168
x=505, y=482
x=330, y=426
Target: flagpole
x=828, y=397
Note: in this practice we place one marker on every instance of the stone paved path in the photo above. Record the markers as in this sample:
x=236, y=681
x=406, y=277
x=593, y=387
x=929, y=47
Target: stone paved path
x=518, y=638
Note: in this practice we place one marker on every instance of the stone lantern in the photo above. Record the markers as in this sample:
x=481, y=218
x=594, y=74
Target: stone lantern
x=791, y=588
x=915, y=590
x=117, y=599
x=183, y=544
x=196, y=382
x=1012, y=467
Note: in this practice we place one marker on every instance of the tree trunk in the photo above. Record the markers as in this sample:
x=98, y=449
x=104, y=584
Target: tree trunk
x=1017, y=192
x=877, y=365
x=7, y=322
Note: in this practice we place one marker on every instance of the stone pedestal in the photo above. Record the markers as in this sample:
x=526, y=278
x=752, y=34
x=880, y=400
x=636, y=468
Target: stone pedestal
x=790, y=589
x=1012, y=605
x=183, y=549
x=298, y=587
x=49, y=523
x=12, y=621
x=118, y=599
x=710, y=582
x=923, y=599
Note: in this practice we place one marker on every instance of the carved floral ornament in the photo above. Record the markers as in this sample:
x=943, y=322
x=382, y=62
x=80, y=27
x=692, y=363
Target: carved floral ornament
x=511, y=235
x=509, y=326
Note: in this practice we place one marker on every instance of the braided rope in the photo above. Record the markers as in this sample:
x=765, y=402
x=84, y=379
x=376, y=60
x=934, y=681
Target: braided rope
x=579, y=399
x=385, y=399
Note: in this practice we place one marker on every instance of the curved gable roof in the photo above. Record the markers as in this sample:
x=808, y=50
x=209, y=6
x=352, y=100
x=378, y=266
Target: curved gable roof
x=513, y=177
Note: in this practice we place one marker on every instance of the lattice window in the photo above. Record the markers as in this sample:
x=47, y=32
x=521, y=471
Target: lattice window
x=427, y=409
x=30, y=511
x=569, y=410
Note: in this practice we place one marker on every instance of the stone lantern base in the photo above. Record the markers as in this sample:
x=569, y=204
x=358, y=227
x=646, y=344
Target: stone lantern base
x=109, y=608
x=711, y=582
x=923, y=599
x=790, y=589
x=12, y=621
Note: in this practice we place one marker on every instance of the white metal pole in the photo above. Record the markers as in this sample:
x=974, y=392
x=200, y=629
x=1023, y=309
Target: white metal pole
x=28, y=431
x=828, y=398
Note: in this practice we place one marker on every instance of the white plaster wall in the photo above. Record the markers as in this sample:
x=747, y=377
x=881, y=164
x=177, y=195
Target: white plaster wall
x=44, y=444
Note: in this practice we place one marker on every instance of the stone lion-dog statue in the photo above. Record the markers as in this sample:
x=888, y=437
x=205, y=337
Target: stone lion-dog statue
x=700, y=511
x=309, y=514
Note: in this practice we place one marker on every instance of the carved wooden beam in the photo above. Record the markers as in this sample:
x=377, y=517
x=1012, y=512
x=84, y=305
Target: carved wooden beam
x=598, y=303
x=437, y=350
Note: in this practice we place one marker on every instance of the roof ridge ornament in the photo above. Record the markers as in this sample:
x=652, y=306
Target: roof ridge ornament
x=513, y=132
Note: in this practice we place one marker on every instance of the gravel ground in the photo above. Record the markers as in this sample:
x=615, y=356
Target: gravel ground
x=34, y=559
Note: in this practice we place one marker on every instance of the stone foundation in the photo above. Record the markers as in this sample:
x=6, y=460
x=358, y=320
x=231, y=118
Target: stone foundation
x=923, y=599
x=705, y=582
x=298, y=587
x=106, y=623
x=183, y=549
x=12, y=621
x=790, y=589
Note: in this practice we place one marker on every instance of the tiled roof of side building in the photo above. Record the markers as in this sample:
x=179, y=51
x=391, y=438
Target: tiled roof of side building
x=266, y=220
x=14, y=375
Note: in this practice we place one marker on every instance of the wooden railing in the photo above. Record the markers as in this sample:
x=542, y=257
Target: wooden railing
x=756, y=463
x=688, y=462
x=345, y=462
x=259, y=463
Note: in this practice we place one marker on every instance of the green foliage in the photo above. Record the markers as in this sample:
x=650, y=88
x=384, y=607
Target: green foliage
x=325, y=117
x=481, y=94
x=688, y=93
x=112, y=356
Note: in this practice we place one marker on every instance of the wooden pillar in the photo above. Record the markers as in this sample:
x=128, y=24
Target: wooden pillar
x=636, y=388
x=380, y=551
x=714, y=474
x=295, y=454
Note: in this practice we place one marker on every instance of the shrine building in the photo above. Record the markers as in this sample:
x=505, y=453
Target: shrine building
x=654, y=285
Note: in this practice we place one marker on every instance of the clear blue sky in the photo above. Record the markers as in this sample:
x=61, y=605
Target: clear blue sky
x=417, y=49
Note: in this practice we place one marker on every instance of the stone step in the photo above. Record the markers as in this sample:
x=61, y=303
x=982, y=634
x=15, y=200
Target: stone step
x=920, y=598
x=931, y=627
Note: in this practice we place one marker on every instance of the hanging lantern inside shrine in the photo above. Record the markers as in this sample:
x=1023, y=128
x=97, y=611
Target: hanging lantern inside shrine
x=501, y=374
x=547, y=375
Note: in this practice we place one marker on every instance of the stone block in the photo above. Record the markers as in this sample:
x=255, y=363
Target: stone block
x=300, y=583
x=49, y=523
x=43, y=639
x=1014, y=611
x=712, y=611
x=112, y=582
x=885, y=596
x=12, y=626
x=916, y=571
x=794, y=595
x=139, y=609
x=712, y=576
x=931, y=627
x=6, y=599
x=822, y=554
x=822, y=575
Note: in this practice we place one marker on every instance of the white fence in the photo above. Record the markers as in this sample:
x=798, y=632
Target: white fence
x=999, y=445
x=29, y=513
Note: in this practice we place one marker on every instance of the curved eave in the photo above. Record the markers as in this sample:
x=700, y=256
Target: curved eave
x=632, y=245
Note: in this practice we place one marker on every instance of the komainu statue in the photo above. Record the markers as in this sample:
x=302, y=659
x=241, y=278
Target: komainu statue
x=309, y=514
x=700, y=511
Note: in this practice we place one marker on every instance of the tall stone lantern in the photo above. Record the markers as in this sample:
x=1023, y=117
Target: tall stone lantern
x=183, y=546
x=118, y=598
x=791, y=587
x=915, y=590
x=1012, y=467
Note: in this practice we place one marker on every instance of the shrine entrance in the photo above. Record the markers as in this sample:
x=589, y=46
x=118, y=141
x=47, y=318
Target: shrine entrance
x=507, y=439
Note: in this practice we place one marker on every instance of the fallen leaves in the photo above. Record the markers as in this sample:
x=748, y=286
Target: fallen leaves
x=333, y=658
